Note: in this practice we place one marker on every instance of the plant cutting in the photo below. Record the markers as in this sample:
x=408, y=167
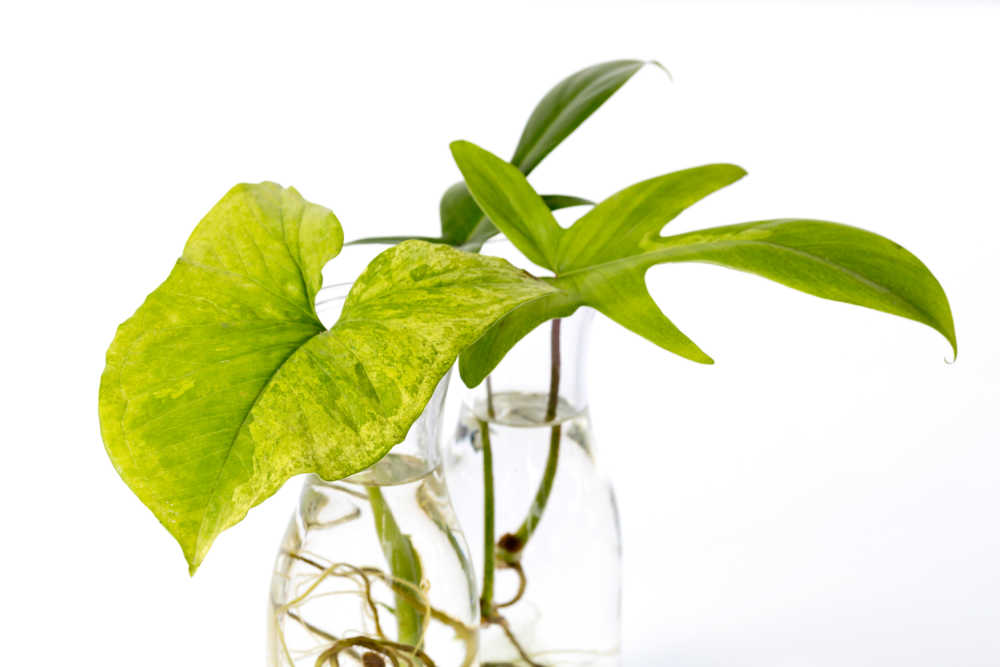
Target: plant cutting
x=226, y=382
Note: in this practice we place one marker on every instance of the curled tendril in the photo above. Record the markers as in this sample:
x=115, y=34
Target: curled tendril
x=522, y=584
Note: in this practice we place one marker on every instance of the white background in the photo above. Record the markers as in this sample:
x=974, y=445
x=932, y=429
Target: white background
x=825, y=495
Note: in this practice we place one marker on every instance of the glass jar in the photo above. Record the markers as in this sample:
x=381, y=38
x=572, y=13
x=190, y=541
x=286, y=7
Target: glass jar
x=373, y=569
x=539, y=513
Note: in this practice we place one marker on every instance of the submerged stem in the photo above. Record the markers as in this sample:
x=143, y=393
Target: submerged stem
x=511, y=545
x=489, y=529
x=404, y=563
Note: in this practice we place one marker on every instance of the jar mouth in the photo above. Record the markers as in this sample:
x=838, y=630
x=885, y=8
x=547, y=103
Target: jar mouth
x=523, y=409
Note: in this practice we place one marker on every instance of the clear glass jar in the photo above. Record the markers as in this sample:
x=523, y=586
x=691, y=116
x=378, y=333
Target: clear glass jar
x=373, y=569
x=547, y=543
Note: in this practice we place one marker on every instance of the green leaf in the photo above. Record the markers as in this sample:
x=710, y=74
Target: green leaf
x=503, y=193
x=623, y=224
x=567, y=105
x=825, y=259
x=556, y=202
x=555, y=117
x=404, y=564
x=459, y=215
x=468, y=227
x=614, y=228
x=603, y=257
x=224, y=384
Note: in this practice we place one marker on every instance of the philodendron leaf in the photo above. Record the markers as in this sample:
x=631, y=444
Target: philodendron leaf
x=567, y=105
x=556, y=116
x=602, y=259
x=614, y=224
x=224, y=383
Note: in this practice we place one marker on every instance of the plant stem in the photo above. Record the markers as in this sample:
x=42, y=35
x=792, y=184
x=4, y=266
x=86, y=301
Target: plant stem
x=489, y=398
x=527, y=527
x=512, y=546
x=489, y=530
x=554, y=372
x=404, y=563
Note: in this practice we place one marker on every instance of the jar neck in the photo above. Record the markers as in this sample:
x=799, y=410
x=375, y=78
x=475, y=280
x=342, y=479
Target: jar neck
x=549, y=362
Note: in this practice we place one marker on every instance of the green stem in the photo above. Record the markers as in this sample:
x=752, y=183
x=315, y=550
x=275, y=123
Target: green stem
x=527, y=527
x=489, y=530
x=556, y=369
x=512, y=545
x=489, y=398
x=404, y=564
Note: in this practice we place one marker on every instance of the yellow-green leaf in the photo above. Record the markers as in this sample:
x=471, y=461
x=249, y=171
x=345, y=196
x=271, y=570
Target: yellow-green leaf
x=224, y=383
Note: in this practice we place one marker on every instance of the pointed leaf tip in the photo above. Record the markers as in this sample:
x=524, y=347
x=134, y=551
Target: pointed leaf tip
x=661, y=66
x=826, y=259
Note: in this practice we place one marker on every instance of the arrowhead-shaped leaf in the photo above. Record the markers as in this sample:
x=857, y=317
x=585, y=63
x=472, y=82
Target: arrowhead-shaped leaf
x=224, y=383
x=602, y=258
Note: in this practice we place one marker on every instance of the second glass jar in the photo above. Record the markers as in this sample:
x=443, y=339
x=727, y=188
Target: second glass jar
x=538, y=512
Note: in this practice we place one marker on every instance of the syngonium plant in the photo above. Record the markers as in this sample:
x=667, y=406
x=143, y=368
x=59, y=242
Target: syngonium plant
x=224, y=383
